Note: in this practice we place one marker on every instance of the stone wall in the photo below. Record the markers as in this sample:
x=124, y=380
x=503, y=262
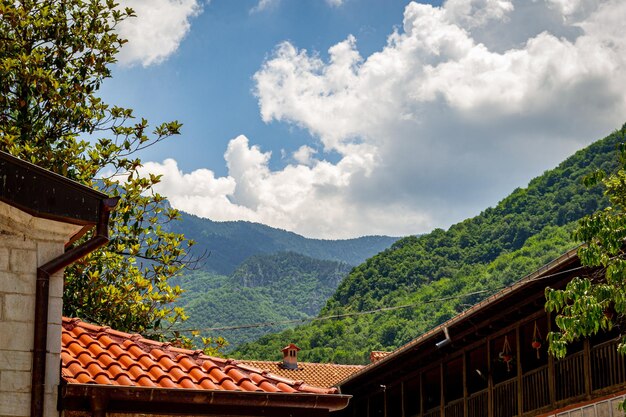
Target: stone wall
x=27, y=242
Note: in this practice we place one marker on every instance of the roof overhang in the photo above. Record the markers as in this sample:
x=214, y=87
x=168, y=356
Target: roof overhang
x=465, y=324
x=47, y=195
x=119, y=399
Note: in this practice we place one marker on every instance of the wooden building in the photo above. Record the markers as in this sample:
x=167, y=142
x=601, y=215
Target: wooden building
x=492, y=361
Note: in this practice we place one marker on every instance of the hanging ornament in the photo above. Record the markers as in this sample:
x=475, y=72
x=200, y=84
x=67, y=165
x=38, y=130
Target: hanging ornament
x=506, y=355
x=536, y=343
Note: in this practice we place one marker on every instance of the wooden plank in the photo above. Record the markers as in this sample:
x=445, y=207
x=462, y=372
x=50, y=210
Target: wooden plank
x=442, y=399
x=551, y=376
x=489, y=381
x=464, y=376
x=587, y=367
x=518, y=345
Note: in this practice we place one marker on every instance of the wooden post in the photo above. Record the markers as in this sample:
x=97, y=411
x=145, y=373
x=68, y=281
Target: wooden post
x=384, y=401
x=587, y=366
x=551, y=374
x=402, y=399
x=464, y=376
x=442, y=399
x=421, y=378
x=489, y=381
x=520, y=390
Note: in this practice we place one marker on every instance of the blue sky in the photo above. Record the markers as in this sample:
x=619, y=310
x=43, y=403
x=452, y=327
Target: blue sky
x=340, y=118
x=207, y=83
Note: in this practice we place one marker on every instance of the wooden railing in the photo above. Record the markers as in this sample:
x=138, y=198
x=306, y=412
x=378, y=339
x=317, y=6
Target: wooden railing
x=536, y=388
x=505, y=399
x=607, y=366
x=435, y=412
x=477, y=404
x=570, y=376
x=454, y=408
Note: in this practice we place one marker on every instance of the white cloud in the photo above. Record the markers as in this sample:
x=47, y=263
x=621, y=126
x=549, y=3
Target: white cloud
x=464, y=103
x=157, y=30
x=264, y=5
x=334, y=3
x=304, y=155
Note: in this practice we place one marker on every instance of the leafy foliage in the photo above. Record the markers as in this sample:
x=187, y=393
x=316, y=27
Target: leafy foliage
x=265, y=288
x=598, y=302
x=526, y=229
x=54, y=56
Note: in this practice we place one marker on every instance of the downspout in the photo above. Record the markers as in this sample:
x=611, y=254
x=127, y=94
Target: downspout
x=100, y=238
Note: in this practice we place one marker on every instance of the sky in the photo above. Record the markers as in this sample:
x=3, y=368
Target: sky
x=343, y=118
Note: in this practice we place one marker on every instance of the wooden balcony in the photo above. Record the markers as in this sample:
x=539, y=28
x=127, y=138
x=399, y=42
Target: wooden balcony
x=536, y=389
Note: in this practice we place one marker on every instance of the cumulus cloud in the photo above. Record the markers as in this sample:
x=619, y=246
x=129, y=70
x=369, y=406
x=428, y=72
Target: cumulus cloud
x=465, y=102
x=157, y=30
x=264, y=5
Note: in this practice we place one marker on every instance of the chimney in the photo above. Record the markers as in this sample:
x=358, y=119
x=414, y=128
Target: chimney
x=290, y=356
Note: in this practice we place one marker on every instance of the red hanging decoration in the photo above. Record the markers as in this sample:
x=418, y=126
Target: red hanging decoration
x=536, y=343
x=506, y=355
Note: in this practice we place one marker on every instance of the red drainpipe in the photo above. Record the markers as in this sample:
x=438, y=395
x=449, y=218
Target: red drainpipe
x=44, y=272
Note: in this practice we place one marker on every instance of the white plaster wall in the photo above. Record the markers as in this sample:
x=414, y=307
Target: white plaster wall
x=26, y=243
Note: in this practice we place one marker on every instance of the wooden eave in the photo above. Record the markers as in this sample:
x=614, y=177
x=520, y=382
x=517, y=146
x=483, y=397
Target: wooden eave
x=511, y=304
x=102, y=399
x=47, y=195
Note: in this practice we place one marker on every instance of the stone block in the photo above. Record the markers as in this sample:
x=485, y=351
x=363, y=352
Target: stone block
x=4, y=259
x=16, y=241
x=19, y=307
x=23, y=260
x=50, y=405
x=11, y=360
x=54, y=339
x=55, y=310
x=589, y=411
x=15, y=381
x=16, y=336
x=603, y=409
x=56, y=284
x=15, y=404
x=47, y=251
x=17, y=283
x=615, y=402
x=53, y=376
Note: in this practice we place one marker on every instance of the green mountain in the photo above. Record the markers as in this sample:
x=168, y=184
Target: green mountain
x=500, y=245
x=228, y=244
x=265, y=288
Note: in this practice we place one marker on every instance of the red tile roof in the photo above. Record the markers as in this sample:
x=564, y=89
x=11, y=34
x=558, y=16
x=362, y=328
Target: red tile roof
x=377, y=355
x=319, y=374
x=98, y=355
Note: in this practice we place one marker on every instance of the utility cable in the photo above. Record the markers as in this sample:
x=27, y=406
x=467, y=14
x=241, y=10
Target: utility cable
x=373, y=311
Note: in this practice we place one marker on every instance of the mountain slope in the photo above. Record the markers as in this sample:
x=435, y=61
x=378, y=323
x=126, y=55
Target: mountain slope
x=529, y=224
x=265, y=288
x=230, y=243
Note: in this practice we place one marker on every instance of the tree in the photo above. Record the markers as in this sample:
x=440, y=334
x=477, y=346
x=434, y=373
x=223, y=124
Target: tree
x=54, y=56
x=591, y=304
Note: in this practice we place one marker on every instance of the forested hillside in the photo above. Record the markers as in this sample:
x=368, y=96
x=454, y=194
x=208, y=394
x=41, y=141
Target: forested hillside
x=228, y=244
x=265, y=288
x=525, y=230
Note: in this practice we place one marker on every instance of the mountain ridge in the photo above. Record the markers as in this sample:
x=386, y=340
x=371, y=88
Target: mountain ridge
x=485, y=252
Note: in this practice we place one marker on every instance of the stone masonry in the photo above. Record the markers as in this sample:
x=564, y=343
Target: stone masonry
x=27, y=242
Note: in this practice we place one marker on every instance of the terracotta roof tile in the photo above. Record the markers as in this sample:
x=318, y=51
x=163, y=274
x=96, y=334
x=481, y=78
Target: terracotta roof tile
x=99, y=355
x=377, y=355
x=323, y=375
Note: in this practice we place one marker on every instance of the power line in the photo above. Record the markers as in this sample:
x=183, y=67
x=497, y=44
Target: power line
x=335, y=316
x=378, y=310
